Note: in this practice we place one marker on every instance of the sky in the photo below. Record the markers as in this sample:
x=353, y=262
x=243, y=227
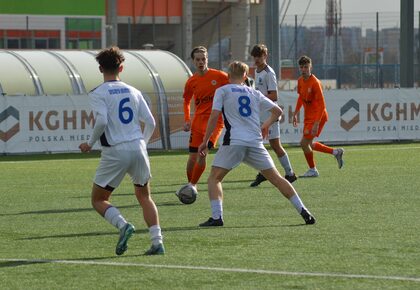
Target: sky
x=361, y=13
x=347, y=6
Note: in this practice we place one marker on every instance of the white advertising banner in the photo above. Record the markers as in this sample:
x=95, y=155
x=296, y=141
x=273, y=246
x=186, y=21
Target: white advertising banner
x=360, y=116
x=44, y=123
x=60, y=123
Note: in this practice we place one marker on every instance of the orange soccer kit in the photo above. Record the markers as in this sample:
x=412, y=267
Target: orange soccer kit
x=202, y=89
x=313, y=102
x=312, y=99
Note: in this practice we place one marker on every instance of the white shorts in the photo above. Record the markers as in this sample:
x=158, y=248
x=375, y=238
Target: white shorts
x=274, y=129
x=230, y=156
x=129, y=157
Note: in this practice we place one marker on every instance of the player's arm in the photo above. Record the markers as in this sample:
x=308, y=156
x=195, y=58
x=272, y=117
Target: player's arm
x=101, y=120
x=276, y=112
x=319, y=106
x=211, y=125
x=272, y=95
x=272, y=87
x=299, y=104
x=147, y=118
x=188, y=94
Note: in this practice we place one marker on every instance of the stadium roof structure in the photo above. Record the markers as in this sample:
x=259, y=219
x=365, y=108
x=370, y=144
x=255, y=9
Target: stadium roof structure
x=75, y=72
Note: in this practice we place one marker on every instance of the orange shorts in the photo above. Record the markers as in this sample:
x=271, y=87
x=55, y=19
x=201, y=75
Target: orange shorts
x=196, y=138
x=307, y=129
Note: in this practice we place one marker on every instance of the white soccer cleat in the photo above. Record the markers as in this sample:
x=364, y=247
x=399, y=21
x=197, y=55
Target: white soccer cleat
x=339, y=157
x=312, y=172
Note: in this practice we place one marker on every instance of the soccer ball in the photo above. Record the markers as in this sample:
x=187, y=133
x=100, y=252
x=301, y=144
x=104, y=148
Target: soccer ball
x=187, y=194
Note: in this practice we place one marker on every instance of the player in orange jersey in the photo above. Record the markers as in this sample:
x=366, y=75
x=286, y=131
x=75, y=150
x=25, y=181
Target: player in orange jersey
x=312, y=99
x=201, y=87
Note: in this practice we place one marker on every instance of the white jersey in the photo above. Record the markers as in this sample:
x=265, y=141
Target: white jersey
x=241, y=107
x=123, y=107
x=266, y=80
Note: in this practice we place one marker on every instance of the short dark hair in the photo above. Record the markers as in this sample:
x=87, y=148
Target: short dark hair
x=304, y=59
x=196, y=49
x=110, y=59
x=258, y=50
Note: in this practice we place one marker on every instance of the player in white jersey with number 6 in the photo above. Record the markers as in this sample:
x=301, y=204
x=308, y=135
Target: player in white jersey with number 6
x=243, y=141
x=119, y=109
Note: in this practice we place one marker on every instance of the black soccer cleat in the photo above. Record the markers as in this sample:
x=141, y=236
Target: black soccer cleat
x=291, y=178
x=309, y=219
x=212, y=223
x=258, y=179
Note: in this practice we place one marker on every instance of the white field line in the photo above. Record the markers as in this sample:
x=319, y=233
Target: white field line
x=218, y=269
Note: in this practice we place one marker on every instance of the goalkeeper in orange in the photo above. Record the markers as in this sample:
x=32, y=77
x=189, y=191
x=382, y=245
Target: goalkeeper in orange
x=312, y=99
x=201, y=87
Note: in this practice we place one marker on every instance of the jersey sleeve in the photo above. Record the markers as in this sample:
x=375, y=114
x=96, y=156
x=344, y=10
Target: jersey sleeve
x=188, y=94
x=271, y=82
x=218, y=99
x=145, y=115
x=97, y=103
x=319, y=104
x=299, y=102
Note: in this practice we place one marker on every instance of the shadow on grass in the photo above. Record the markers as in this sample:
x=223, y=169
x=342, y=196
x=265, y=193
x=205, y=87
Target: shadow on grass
x=154, y=192
x=89, y=209
x=8, y=264
x=142, y=231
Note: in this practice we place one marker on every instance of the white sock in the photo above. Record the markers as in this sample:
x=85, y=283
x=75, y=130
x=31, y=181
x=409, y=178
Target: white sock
x=155, y=235
x=216, y=209
x=114, y=217
x=285, y=162
x=297, y=203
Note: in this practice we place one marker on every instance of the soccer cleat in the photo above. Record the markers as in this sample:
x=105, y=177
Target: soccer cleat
x=312, y=172
x=339, y=157
x=258, y=179
x=212, y=223
x=125, y=234
x=291, y=178
x=155, y=250
x=309, y=219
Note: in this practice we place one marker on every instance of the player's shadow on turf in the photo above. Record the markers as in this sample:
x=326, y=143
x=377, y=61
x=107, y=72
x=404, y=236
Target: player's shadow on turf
x=238, y=181
x=75, y=235
x=9, y=264
x=113, y=233
x=68, y=210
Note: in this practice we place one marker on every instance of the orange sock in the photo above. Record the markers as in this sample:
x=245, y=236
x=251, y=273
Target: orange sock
x=310, y=159
x=197, y=172
x=322, y=148
x=189, y=174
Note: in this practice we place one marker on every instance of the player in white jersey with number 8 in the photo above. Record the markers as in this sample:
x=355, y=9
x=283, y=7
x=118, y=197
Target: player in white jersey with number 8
x=243, y=141
x=119, y=109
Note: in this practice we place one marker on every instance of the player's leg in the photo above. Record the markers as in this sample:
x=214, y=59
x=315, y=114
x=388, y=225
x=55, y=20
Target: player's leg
x=192, y=157
x=283, y=158
x=337, y=152
x=289, y=192
x=227, y=157
x=201, y=163
x=139, y=171
x=151, y=217
x=216, y=196
x=260, y=159
x=111, y=170
x=306, y=145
